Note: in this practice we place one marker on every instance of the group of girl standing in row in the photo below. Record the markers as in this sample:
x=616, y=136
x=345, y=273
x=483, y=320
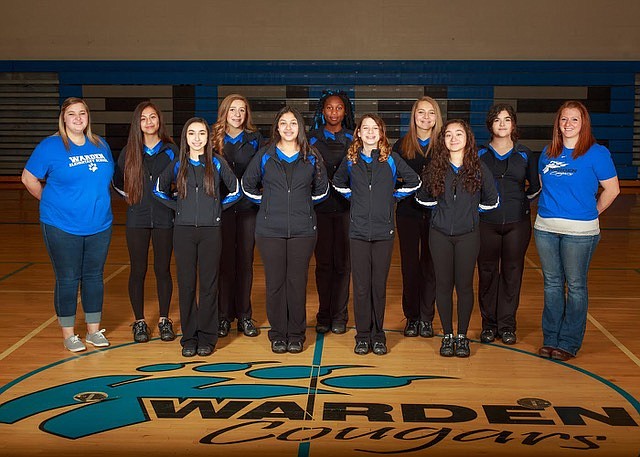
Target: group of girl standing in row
x=351, y=228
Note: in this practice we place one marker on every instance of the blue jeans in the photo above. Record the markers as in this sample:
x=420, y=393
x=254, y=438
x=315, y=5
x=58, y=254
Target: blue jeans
x=78, y=261
x=565, y=262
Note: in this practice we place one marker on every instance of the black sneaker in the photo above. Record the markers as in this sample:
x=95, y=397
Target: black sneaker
x=322, y=328
x=462, y=346
x=205, y=351
x=509, y=338
x=279, y=346
x=411, y=329
x=166, y=330
x=447, y=346
x=426, y=329
x=338, y=328
x=294, y=347
x=379, y=348
x=362, y=348
x=223, y=327
x=140, y=332
x=189, y=351
x=488, y=336
x=245, y=325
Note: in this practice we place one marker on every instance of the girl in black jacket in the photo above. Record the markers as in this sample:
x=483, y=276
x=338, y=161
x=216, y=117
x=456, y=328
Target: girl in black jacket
x=148, y=152
x=331, y=136
x=506, y=231
x=367, y=176
x=286, y=178
x=457, y=186
x=237, y=140
x=197, y=176
x=412, y=220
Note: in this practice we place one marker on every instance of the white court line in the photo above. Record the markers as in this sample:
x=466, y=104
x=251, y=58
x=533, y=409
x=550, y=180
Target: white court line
x=597, y=324
x=53, y=318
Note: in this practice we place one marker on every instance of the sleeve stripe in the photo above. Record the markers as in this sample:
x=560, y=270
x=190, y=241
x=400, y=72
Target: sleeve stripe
x=408, y=190
x=159, y=193
x=427, y=203
x=322, y=196
x=342, y=190
x=233, y=196
x=255, y=198
x=490, y=207
x=532, y=196
x=120, y=191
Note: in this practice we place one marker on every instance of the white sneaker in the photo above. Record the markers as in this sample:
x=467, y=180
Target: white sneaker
x=74, y=344
x=97, y=339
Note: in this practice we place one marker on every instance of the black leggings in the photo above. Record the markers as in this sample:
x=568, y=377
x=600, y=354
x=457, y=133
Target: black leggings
x=454, y=259
x=138, y=245
x=500, y=268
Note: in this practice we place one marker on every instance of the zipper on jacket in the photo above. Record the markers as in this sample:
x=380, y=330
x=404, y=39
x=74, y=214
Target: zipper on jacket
x=455, y=196
x=197, y=203
x=370, y=209
x=151, y=206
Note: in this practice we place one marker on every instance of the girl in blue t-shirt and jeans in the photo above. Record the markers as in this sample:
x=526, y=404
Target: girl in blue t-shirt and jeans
x=566, y=228
x=75, y=213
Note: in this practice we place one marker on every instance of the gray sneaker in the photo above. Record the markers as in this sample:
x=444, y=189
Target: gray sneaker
x=74, y=344
x=97, y=339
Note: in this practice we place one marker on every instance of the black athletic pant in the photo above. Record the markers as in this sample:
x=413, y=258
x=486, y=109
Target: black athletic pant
x=197, y=251
x=418, y=276
x=370, y=262
x=332, y=267
x=236, y=264
x=500, y=268
x=454, y=259
x=138, y=245
x=286, y=270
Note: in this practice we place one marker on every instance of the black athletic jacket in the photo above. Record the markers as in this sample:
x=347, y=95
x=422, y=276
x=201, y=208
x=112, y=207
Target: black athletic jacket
x=409, y=207
x=198, y=208
x=286, y=211
x=238, y=152
x=456, y=210
x=371, y=189
x=511, y=172
x=149, y=213
x=333, y=148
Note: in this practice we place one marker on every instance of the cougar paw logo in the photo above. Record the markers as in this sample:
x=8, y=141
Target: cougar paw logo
x=117, y=400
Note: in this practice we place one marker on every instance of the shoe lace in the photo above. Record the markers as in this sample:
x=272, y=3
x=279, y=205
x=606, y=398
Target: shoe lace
x=99, y=333
x=74, y=339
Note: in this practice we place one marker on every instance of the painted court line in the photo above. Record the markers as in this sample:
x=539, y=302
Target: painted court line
x=53, y=318
x=599, y=326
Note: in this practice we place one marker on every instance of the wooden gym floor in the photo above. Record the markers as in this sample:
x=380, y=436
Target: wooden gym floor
x=135, y=399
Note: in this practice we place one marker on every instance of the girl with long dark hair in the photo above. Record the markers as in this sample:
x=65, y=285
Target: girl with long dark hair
x=457, y=186
x=286, y=178
x=197, y=241
x=149, y=150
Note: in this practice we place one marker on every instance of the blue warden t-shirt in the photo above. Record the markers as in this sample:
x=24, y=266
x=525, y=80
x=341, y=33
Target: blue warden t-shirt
x=569, y=186
x=76, y=197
